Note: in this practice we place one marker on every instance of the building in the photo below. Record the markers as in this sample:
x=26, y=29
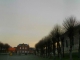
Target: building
x=13, y=50
x=22, y=48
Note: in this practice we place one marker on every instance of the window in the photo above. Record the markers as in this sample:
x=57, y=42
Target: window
x=22, y=51
x=20, y=47
x=25, y=47
x=25, y=51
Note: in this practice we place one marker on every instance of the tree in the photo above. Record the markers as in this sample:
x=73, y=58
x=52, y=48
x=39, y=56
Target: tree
x=69, y=25
x=1, y=47
x=57, y=34
x=53, y=42
x=62, y=38
x=46, y=45
x=40, y=47
x=6, y=46
x=49, y=45
x=37, y=48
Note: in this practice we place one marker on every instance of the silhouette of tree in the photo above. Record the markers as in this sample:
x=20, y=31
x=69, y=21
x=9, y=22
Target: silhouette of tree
x=6, y=46
x=69, y=25
x=40, y=47
x=53, y=42
x=49, y=45
x=62, y=45
x=1, y=47
x=57, y=34
x=37, y=48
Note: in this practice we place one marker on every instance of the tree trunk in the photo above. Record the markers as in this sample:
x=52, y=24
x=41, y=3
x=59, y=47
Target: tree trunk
x=60, y=56
x=63, y=51
x=60, y=53
x=54, y=56
x=79, y=47
x=54, y=50
x=58, y=48
x=46, y=50
x=62, y=46
x=71, y=53
x=71, y=45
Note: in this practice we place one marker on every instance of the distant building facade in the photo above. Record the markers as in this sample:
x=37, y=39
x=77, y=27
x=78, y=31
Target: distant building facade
x=31, y=50
x=23, y=48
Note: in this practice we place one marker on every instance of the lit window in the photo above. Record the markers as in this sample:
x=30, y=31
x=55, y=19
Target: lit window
x=20, y=47
x=23, y=47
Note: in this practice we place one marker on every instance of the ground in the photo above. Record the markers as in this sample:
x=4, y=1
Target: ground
x=34, y=57
x=22, y=57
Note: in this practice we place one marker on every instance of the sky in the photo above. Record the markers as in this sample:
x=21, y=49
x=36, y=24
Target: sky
x=28, y=21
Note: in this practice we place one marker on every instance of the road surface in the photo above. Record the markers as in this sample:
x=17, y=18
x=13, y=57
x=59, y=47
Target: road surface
x=21, y=57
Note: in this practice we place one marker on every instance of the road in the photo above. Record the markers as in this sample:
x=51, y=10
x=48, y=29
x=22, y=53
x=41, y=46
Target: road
x=21, y=57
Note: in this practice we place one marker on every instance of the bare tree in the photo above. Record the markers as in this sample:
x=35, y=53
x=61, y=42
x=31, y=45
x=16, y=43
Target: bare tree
x=69, y=25
x=57, y=34
x=53, y=42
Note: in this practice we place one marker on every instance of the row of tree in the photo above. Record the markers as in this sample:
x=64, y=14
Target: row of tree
x=56, y=39
x=4, y=47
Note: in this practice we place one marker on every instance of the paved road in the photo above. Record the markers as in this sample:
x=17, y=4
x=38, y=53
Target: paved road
x=22, y=57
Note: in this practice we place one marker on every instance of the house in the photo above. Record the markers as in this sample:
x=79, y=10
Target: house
x=13, y=50
x=22, y=48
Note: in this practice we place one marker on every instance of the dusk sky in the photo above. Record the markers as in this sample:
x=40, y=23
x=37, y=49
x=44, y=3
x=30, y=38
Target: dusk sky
x=28, y=21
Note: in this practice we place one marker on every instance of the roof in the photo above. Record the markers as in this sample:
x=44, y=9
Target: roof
x=23, y=44
x=11, y=49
